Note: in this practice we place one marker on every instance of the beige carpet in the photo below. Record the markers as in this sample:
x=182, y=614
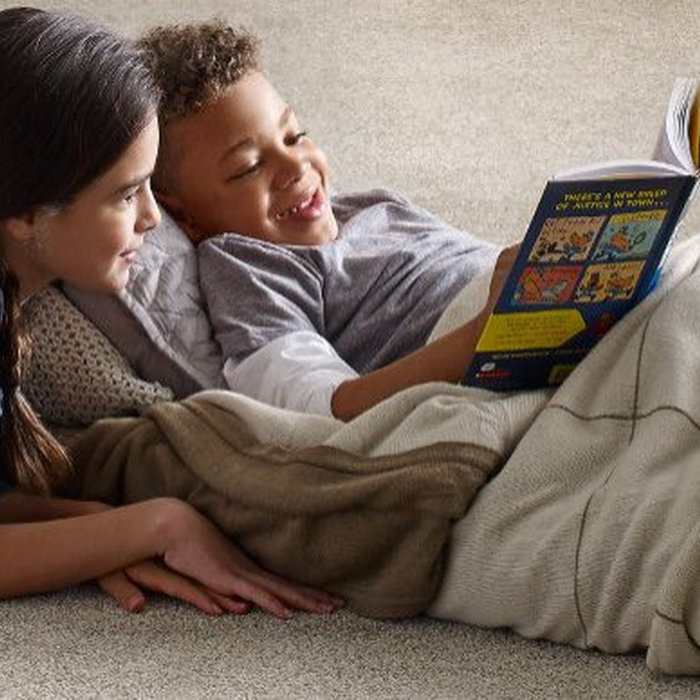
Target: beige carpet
x=467, y=107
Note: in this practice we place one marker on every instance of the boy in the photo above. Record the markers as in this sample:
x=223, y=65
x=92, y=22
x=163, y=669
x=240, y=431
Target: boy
x=319, y=306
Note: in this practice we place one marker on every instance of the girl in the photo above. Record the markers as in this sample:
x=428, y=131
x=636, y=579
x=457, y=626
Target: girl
x=78, y=138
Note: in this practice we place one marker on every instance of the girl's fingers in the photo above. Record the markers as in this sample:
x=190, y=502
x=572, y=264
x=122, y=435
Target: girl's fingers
x=247, y=586
x=299, y=596
x=259, y=595
x=127, y=594
x=231, y=604
x=157, y=578
x=274, y=593
x=200, y=551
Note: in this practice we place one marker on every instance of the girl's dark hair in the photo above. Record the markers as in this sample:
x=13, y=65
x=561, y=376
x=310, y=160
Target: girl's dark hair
x=74, y=97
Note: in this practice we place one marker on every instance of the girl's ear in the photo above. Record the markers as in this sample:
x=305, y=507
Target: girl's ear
x=21, y=228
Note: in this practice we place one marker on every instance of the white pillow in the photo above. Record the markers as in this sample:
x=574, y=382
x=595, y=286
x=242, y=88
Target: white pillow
x=158, y=322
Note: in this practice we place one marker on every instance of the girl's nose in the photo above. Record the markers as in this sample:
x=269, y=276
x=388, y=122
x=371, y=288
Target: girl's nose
x=149, y=215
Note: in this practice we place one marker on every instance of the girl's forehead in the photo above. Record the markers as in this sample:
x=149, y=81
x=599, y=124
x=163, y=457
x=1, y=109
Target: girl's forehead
x=133, y=167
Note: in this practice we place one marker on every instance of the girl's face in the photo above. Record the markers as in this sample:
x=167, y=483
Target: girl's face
x=244, y=164
x=93, y=241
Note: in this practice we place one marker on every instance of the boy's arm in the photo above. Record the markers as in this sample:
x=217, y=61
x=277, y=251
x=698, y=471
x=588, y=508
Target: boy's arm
x=299, y=371
x=445, y=359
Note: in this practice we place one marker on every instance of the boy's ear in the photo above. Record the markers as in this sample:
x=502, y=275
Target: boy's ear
x=173, y=205
x=171, y=202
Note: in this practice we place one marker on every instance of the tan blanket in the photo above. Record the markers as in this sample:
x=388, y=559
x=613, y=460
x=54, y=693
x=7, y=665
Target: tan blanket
x=372, y=528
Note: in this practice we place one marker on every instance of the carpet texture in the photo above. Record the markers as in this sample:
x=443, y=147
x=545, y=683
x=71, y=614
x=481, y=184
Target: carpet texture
x=466, y=107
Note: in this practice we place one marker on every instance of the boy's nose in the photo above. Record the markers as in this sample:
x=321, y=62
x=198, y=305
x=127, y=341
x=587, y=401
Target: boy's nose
x=290, y=172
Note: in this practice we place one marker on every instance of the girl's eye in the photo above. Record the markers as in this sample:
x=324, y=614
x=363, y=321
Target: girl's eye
x=130, y=196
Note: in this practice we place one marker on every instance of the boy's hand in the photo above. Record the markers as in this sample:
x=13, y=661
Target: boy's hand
x=504, y=263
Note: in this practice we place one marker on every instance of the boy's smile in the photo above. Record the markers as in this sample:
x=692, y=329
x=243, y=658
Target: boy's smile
x=242, y=164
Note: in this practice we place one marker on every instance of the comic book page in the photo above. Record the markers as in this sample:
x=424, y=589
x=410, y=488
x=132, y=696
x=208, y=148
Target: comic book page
x=591, y=253
x=678, y=140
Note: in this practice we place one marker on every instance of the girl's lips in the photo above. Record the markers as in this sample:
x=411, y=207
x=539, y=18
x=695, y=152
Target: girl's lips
x=129, y=256
x=309, y=209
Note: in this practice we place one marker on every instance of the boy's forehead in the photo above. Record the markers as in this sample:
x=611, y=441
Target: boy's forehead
x=211, y=137
x=238, y=111
x=255, y=94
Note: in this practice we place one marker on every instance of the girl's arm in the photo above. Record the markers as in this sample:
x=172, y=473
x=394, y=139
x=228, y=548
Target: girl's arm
x=25, y=508
x=445, y=359
x=162, y=544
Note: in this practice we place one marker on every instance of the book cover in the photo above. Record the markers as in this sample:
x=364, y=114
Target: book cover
x=592, y=252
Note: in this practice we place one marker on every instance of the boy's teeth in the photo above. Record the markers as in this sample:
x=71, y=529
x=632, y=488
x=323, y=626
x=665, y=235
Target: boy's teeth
x=295, y=210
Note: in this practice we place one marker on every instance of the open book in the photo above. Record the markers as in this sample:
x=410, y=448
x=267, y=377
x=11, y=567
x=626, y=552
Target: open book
x=591, y=252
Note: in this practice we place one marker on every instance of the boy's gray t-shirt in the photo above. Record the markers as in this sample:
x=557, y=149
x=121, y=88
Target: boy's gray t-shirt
x=374, y=293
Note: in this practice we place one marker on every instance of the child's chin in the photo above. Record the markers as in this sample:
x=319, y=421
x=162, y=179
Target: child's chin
x=317, y=235
x=115, y=283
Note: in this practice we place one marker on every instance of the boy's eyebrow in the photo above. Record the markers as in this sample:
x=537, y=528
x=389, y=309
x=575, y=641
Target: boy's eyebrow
x=286, y=114
x=249, y=142
x=244, y=143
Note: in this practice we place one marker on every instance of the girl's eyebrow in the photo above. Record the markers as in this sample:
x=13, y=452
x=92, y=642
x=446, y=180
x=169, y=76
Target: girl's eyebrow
x=249, y=142
x=131, y=184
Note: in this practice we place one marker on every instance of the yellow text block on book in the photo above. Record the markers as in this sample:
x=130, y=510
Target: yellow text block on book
x=526, y=331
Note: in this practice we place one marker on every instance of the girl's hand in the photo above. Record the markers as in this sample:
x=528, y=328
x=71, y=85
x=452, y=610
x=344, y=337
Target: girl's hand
x=201, y=566
x=128, y=585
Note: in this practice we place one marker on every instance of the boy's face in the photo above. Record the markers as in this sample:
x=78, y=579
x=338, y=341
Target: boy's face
x=243, y=164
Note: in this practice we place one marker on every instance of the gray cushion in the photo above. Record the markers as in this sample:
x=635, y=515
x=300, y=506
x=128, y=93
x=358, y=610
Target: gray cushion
x=74, y=375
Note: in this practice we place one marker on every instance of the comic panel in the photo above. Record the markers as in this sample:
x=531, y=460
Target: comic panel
x=566, y=239
x=546, y=285
x=629, y=235
x=603, y=282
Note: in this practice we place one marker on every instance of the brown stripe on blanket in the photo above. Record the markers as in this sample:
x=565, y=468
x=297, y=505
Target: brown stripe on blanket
x=372, y=529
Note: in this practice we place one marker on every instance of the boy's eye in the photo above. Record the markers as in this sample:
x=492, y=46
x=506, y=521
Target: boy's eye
x=247, y=170
x=294, y=139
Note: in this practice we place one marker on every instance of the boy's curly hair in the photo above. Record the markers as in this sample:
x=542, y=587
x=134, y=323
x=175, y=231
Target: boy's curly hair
x=193, y=63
